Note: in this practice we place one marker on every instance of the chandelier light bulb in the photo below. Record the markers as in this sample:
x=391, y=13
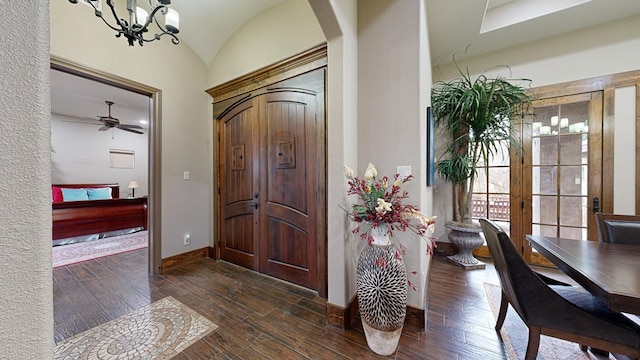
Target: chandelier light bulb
x=141, y=16
x=172, y=21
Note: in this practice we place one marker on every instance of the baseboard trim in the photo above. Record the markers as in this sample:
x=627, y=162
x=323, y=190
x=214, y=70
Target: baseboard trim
x=184, y=258
x=445, y=248
x=344, y=317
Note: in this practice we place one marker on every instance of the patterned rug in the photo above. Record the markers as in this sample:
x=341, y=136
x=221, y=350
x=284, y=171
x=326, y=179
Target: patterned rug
x=73, y=253
x=514, y=334
x=157, y=331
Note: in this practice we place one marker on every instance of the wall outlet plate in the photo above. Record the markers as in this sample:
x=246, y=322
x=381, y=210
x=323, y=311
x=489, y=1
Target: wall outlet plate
x=187, y=239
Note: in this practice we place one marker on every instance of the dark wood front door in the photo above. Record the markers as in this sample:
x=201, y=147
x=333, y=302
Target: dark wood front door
x=239, y=163
x=270, y=183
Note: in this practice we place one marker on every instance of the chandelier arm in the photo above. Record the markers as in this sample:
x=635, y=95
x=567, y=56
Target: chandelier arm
x=174, y=38
x=121, y=22
x=98, y=14
x=163, y=10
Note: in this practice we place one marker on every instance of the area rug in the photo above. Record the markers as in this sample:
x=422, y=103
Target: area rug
x=73, y=253
x=157, y=331
x=514, y=334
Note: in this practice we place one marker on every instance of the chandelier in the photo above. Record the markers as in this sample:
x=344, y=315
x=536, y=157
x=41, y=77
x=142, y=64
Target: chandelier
x=139, y=20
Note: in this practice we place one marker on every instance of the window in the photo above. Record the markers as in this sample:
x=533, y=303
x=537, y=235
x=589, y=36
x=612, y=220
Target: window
x=121, y=159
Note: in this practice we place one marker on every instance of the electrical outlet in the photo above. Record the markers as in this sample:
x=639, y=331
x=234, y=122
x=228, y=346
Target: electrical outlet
x=187, y=239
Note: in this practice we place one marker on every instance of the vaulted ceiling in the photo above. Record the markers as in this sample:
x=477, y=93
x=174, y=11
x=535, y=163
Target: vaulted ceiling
x=486, y=25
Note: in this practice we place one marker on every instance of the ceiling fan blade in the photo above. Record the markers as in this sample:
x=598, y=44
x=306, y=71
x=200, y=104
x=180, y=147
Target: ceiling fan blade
x=104, y=128
x=125, y=128
x=84, y=120
x=131, y=126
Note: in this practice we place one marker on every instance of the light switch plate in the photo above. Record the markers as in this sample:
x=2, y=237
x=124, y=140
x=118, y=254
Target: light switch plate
x=404, y=171
x=186, y=175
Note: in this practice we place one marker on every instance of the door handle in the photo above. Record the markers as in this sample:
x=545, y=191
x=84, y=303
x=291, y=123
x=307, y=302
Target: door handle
x=596, y=205
x=254, y=204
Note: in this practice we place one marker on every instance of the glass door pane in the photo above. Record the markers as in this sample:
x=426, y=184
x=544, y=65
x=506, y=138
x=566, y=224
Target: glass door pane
x=559, y=170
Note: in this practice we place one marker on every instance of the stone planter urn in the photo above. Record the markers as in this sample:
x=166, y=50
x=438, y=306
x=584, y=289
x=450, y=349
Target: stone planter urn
x=381, y=284
x=466, y=237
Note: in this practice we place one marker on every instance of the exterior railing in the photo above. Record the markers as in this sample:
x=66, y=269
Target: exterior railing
x=498, y=207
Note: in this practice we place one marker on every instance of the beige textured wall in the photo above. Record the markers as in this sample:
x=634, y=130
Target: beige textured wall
x=273, y=35
x=26, y=303
x=186, y=133
x=339, y=21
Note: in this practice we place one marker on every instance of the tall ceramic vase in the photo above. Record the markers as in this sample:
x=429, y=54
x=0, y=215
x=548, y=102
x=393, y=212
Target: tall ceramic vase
x=381, y=284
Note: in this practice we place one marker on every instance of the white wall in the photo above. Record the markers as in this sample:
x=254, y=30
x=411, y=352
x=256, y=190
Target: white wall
x=624, y=152
x=80, y=155
x=26, y=303
x=393, y=94
x=181, y=76
x=275, y=34
x=597, y=51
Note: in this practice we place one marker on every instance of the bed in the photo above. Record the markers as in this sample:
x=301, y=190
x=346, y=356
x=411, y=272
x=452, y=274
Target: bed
x=98, y=215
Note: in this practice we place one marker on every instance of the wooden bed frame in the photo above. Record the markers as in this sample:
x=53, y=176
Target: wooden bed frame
x=76, y=218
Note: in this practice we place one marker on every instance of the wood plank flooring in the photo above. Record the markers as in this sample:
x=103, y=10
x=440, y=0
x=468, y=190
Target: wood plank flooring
x=264, y=318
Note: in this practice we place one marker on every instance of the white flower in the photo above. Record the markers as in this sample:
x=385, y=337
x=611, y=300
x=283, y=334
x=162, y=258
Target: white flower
x=397, y=183
x=348, y=173
x=371, y=172
x=383, y=206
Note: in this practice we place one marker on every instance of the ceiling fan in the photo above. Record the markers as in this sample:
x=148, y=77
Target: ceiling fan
x=110, y=122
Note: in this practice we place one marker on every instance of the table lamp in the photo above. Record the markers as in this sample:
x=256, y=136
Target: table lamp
x=133, y=185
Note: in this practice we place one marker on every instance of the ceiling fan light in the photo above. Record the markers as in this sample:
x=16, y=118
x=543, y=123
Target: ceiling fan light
x=172, y=21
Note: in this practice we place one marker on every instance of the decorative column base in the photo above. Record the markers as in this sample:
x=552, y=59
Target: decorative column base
x=382, y=342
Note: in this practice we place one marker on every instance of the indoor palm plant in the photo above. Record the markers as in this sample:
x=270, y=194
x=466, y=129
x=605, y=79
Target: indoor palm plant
x=475, y=116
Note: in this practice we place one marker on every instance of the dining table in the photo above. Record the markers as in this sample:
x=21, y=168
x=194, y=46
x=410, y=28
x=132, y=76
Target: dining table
x=610, y=271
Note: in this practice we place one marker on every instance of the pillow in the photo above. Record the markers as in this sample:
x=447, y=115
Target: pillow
x=99, y=193
x=74, y=194
x=56, y=194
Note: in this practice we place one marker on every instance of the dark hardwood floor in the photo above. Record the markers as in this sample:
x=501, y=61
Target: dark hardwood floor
x=263, y=318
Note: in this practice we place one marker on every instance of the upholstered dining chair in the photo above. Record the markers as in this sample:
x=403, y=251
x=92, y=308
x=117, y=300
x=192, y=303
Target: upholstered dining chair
x=566, y=312
x=616, y=228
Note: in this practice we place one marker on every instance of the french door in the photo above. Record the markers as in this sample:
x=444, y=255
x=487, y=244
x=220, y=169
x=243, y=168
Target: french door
x=550, y=186
x=561, y=168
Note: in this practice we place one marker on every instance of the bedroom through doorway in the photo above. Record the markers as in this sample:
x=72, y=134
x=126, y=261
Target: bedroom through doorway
x=104, y=142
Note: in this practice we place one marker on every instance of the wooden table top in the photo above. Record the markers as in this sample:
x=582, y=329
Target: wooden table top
x=611, y=272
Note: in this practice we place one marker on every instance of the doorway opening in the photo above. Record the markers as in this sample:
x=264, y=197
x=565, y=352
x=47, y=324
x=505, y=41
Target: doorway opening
x=153, y=146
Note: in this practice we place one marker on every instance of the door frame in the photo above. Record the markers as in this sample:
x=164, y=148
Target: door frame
x=238, y=90
x=154, y=146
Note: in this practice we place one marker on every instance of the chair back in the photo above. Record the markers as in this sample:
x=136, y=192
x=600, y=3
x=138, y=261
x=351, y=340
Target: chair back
x=621, y=229
x=519, y=282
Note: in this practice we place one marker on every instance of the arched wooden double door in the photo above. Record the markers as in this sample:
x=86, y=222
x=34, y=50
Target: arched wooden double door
x=271, y=159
